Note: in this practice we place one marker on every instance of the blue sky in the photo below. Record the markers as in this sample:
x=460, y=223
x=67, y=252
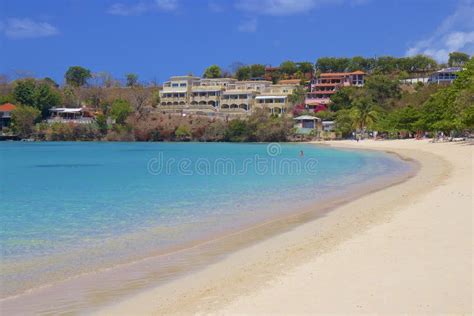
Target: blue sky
x=159, y=38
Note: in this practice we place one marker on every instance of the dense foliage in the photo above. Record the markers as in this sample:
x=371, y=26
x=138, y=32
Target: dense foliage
x=213, y=71
x=128, y=111
x=77, y=76
x=24, y=118
x=381, y=65
x=38, y=94
x=385, y=106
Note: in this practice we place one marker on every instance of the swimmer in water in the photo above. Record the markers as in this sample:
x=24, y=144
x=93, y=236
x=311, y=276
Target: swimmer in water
x=301, y=153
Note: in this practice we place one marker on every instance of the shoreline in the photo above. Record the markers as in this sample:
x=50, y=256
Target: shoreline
x=260, y=268
x=216, y=247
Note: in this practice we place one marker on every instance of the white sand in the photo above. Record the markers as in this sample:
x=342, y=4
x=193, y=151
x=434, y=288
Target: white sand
x=404, y=249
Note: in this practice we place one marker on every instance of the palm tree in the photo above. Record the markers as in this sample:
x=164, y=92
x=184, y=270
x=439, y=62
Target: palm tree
x=364, y=113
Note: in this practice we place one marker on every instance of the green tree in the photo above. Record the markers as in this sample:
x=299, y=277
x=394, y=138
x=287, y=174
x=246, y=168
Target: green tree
x=326, y=115
x=449, y=109
x=132, y=80
x=457, y=59
x=183, y=132
x=101, y=121
x=297, y=96
x=332, y=64
x=243, y=73
x=362, y=63
x=422, y=63
x=404, y=119
x=120, y=110
x=23, y=120
x=364, y=113
x=263, y=127
x=40, y=95
x=46, y=97
x=467, y=118
x=155, y=98
x=7, y=98
x=70, y=97
x=305, y=67
x=342, y=99
x=77, y=76
x=275, y=76
x=215, y=131
x=257, y=70
x=51, y=82
x=213, y=71
x=383, y=89
x=386, y=65
x=288, y=67
x=345, y=122
x=237, y=131
x=24, y=91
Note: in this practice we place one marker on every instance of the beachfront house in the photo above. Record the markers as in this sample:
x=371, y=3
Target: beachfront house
x=69, y=115
x=307, y=125
x=328, y=126
x=6, y=114
x=445, y=75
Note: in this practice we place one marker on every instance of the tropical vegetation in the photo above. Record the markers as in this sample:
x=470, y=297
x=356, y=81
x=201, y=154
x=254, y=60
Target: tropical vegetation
x=128, y=109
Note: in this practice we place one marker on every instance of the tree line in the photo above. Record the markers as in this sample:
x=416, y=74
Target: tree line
x=388, y=64
x=130, y=112
x=378, y=65
x=383, y=104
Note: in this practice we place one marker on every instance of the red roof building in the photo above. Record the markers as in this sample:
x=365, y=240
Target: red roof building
x=323, y=87
x=5, y=114
x=7, y=107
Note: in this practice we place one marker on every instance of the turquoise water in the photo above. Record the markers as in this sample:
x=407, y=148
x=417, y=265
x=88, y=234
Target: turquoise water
x=68, y=208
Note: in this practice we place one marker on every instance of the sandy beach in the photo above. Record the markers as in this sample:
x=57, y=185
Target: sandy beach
x=403, y=249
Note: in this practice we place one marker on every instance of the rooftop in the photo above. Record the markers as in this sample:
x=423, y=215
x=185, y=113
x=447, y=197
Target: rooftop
x=307, y=117
x=341, y=74
x=289, y=81
x=66, y=110
x=175, y=78
x=7, y=107
x=451, y=69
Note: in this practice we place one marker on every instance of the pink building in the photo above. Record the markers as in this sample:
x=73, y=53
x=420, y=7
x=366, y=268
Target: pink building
x=324, y=86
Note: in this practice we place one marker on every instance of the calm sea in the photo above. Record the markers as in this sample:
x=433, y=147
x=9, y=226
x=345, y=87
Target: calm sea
x=72, y=208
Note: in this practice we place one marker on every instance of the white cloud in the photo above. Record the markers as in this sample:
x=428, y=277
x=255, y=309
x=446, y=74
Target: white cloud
x=276, y=7
x=167, y=5
x=255, y=8
x=288, y=7
x=18, y=28
x=126, y=10
x=248, y=25
x=456, y=33
x=142, y=7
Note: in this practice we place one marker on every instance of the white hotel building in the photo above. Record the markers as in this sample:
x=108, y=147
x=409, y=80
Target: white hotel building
x=223, y=95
